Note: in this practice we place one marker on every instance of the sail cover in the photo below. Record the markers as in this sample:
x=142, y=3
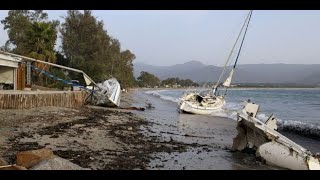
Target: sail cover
x=227, y=83
x=87, y=80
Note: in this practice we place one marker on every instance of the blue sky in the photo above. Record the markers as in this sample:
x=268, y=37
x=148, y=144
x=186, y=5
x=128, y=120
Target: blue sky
x=172, y=37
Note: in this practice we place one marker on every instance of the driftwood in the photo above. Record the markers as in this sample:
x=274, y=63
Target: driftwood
x=133, y=108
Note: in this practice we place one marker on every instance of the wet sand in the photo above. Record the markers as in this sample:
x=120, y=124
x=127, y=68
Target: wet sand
x=211, y=138
x=106, y=138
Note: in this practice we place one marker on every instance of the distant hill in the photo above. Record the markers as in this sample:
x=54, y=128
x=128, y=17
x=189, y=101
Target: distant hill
x=245, y=73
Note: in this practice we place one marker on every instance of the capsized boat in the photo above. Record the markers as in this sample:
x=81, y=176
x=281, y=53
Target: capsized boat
x=109, y=94
x=268, y=144
x=197, y=103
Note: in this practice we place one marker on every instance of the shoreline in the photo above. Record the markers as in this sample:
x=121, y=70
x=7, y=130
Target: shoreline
x=240, y=88
x=102, y=138
x=92, y=137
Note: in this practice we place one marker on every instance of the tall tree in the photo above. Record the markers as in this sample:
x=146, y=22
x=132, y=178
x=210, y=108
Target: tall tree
x=31, y=34
x=40, y=45
x=148, y=80
x=84, y=43
x=89, y=48
x=16, y=24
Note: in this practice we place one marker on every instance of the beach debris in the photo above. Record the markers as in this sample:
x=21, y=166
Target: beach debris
x=149, y=106
x=29, y=159
x=57, y=163
x=133, y=108
x=129, y=128
x=269, y=145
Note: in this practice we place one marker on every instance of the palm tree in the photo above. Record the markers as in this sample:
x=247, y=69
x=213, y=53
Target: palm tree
x=40, y=45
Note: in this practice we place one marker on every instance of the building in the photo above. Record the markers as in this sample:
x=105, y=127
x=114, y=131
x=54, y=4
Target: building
x=9, y=72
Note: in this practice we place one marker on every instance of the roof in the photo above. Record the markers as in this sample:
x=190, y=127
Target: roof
x=8, y=61
x=8, y=58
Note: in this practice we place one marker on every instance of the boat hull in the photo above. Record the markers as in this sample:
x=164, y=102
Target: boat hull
x=110, y=94
x=280, y=155
x=188, y=107
x=273, y=147
x=114, y=99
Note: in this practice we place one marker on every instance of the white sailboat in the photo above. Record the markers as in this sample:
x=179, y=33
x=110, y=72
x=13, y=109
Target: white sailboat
x=109, y=95
x=196, y=103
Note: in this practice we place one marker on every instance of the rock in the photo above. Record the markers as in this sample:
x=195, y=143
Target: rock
x=57, y=163
x=3, y=162
x=13, y=167
x=130, y=128
x=31, y=158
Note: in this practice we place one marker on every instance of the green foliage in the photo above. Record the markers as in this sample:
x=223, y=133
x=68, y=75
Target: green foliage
x=177, y=81
x=51, y=83
x=85, y=45
x=18, y=23
x=32, y=35
x=148, y=80
x=61, y=59
x=88, y=47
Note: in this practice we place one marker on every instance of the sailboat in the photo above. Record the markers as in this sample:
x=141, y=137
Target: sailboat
x=197, y=103
x=109, y=95
x=269, y=145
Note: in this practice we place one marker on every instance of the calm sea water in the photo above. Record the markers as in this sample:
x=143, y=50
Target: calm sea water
x=297, y=110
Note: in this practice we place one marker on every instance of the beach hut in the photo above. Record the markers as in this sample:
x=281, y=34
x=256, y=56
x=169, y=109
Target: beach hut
x=9, y=72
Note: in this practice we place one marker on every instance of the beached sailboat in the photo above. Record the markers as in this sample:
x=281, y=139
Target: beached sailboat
x=109, y=95
x=269, y=145
x=196, y=103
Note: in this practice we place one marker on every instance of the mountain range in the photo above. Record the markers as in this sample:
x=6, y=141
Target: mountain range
x=304, y=74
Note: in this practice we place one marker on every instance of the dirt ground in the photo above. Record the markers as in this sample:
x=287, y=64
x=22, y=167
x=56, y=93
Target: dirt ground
x=95, y=138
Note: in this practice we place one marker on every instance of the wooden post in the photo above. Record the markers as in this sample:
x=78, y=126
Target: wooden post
x=21, y=76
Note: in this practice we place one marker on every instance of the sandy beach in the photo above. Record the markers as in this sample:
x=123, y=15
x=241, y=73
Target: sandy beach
x=104, y=138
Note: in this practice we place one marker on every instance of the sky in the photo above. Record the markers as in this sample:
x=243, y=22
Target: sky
x=174, y=37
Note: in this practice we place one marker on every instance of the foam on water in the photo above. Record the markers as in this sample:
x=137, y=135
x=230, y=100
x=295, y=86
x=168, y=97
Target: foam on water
x=161, y=96
x=301, y=128
x=232, y=108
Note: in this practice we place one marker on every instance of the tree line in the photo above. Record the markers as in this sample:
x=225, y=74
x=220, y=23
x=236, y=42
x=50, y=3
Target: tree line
x=86, y=45
x=147, y=79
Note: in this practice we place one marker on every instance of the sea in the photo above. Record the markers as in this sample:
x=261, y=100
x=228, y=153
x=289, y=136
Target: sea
x=297, y=112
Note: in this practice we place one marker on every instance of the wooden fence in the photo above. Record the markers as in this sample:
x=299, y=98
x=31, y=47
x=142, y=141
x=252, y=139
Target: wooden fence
x=32, y=99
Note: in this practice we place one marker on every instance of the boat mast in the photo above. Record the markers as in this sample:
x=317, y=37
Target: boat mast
x=214, y=89
x=235, y=63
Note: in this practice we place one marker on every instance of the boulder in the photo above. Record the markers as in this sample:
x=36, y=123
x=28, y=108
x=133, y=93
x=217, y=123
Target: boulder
x=13, y=167
x=3, y=162
x=57, y=163
x=29, y=159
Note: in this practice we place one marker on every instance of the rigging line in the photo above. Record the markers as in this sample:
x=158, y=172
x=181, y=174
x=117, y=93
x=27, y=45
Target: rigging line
x=67, y=82
x=229, y=56
x=245, y=32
